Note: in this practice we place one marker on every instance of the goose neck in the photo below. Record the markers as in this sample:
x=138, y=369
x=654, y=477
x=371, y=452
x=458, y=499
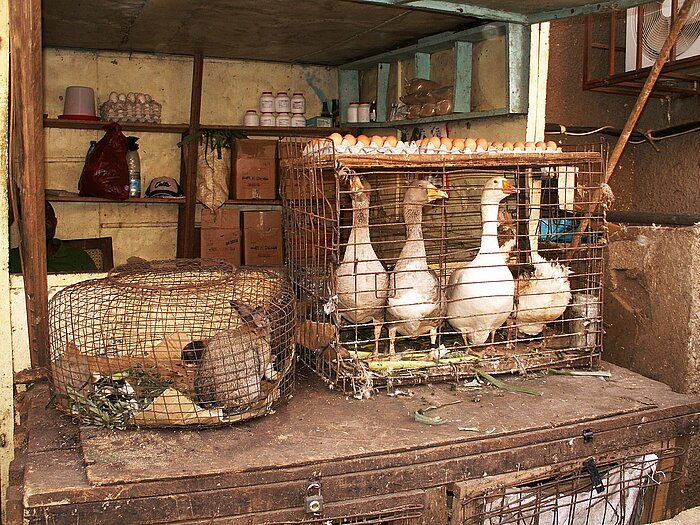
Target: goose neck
x=489, y=227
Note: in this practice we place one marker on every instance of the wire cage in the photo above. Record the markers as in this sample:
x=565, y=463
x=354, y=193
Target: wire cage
x=628, y=490
x=403, y=515
x=173, y=343
x=432, y=265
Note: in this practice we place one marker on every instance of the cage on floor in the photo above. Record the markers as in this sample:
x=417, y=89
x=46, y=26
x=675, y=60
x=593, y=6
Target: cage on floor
x=628, y=489
x=173, y=343
x=428, y=265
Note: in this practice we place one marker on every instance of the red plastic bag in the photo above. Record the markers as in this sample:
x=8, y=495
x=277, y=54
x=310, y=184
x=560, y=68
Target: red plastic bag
x=105, y=173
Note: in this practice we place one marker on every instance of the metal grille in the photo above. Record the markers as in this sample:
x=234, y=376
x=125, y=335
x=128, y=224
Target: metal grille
x=404, y=515
x=173, y=343
x=362, y=289
x=621, y=492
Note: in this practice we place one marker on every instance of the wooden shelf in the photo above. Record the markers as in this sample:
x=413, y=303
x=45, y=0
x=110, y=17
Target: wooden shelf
x=126, y=126
x=274, y=131
x=254, y=202
x=139, y=200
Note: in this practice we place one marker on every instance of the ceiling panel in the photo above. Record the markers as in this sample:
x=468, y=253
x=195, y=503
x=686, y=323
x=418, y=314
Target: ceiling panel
x=325, y=32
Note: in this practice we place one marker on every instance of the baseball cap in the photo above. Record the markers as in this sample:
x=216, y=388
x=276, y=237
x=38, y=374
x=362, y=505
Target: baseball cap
x=163, y=187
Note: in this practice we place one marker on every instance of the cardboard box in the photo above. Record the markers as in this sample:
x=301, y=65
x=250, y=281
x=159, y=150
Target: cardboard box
x=306, y=185
x=262, y=238
x=254, y=169
x=221, y=235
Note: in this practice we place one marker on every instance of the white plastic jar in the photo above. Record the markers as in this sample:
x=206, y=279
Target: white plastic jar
x=363, y=112
x=251, y=118
x=298, y=120
x=352, y=112
x=267, y=119
x=283, y=119
x=298, y=103
x=267, y=102
x=282, y=102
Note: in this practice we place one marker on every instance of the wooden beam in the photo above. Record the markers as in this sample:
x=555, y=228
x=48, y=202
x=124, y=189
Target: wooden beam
x=647, y=88
x=27, y=167
x=188, y=173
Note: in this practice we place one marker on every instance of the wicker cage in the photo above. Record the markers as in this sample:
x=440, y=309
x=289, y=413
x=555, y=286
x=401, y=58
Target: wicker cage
x=551, y=221
x=173, y=343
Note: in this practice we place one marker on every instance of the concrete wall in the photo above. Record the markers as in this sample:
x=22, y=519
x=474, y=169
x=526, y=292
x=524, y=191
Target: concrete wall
x=229, y=88
x=652, y=306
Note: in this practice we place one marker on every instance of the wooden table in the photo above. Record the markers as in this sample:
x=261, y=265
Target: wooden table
x=369, y=456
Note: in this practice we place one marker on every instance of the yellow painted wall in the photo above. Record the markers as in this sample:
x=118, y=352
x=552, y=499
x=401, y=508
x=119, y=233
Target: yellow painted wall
x=230, y=87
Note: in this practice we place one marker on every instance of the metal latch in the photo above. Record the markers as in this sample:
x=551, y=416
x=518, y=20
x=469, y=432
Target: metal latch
x=313, y=503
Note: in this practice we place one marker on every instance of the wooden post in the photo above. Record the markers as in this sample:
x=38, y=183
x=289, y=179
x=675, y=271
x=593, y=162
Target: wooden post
x=634, y=116
x=188, y=173
x=27, y=167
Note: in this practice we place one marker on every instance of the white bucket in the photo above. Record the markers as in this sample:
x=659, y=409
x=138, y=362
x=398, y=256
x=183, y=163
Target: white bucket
x=79, y=101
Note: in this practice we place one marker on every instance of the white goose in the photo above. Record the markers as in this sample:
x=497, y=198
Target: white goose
x=361, y=280
x=480, y=295
x=542, y=295
x=416, y=303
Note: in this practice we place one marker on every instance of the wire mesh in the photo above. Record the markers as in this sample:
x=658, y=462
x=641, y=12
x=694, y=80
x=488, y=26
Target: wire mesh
x=619, y=492
x=403, y=515
x=173, y=343
x=420, y=267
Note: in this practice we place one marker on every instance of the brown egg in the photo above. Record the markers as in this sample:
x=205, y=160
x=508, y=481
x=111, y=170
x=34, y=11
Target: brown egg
x=434, y=142
x=529, y=146
x=447, y=142
x=481, y=141
x=497, y=144
x=552, y=145
x=469, y=144
x=350, y=139
x=507, y=146
x=518, y=146
x=377, y=140
x=541, y=145
x=363, y=139
x=392, y=141
x=337, y=138
x=458, y=143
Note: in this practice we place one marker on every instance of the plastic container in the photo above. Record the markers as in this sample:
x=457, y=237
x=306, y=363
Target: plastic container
x=267, y=102
x=283, y=103
x=283, y=119
x=79, y=101
x=298, y=120
x=133, y=163
x=352, y=112
x=267, y=119
x=363, y=112
x=251, y=118
x=298, y=103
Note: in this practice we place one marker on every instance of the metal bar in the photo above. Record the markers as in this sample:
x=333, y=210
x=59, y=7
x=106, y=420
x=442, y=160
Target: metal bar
x=428, y=45
x=518, y=64
x=463, y=77
x=349, y=90
x=454, y=8
x=383, y=70
x=422, y=65
x=584, y=9
x=634, y=115
x=611, y=45
x=186, y=212
x=650, y=217
x=27, y=168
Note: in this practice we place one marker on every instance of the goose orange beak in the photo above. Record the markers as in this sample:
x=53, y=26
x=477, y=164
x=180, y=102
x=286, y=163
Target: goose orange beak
x=356, y=184
x=508, y=188
x=435, y=193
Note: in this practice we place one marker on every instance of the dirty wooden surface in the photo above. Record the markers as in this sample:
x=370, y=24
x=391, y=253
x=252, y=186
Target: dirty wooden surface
x=361, y=449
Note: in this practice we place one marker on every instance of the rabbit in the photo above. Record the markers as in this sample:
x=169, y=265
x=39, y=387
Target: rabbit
x=234, y=362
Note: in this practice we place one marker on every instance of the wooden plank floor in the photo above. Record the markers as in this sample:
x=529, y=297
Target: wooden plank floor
x=360, y=449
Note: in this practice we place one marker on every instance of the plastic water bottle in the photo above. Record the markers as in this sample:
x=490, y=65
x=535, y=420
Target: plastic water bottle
x=133, y=163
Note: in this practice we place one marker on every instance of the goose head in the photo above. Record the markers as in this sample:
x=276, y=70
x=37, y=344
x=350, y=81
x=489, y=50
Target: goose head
x=496, y=189
x=360, y=189
x=421, y=192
